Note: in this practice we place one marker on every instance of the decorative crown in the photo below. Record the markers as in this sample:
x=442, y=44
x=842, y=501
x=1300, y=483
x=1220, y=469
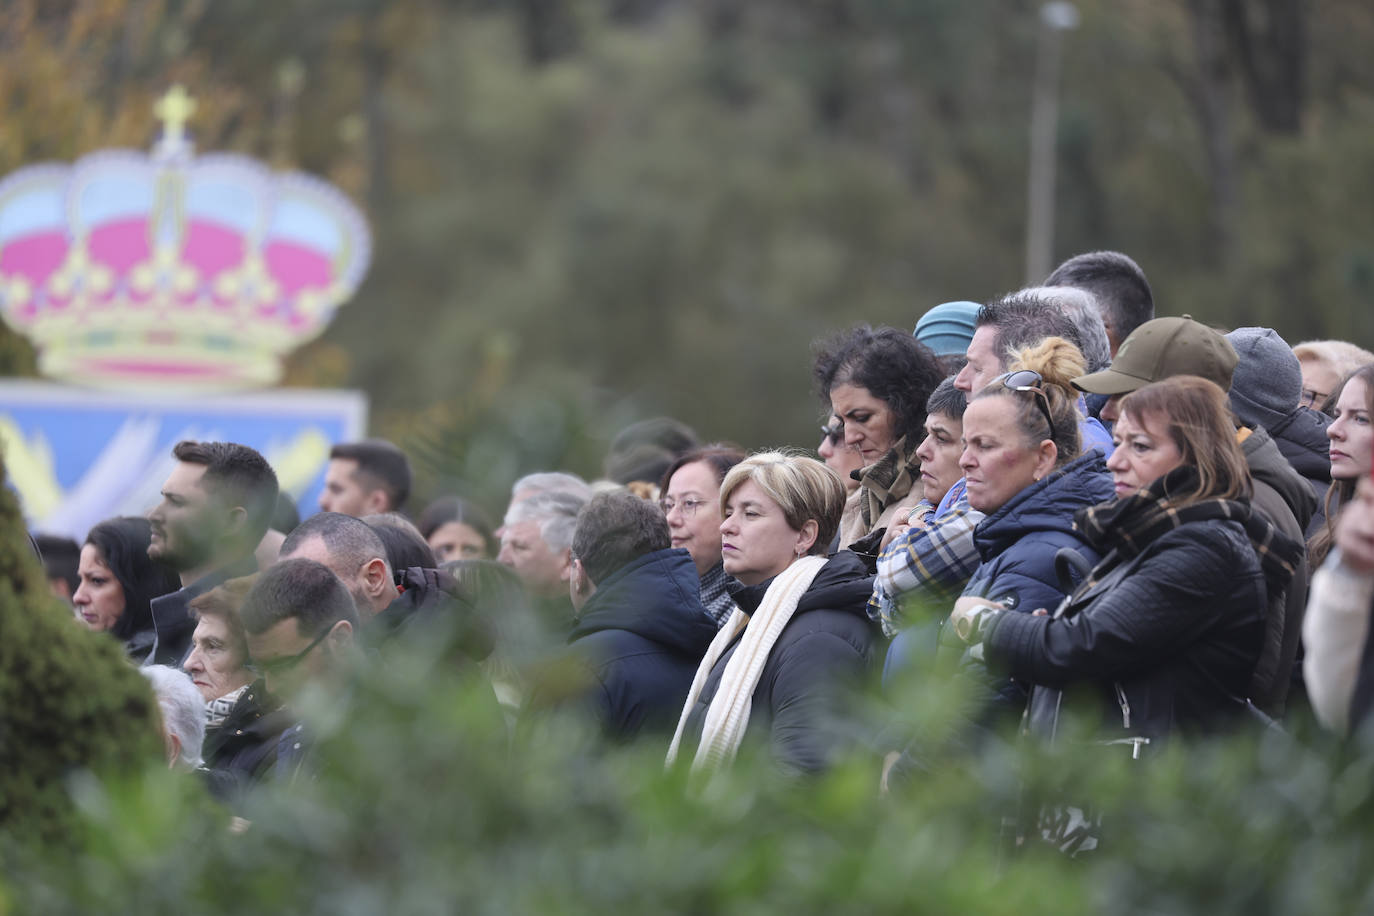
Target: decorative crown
x=170, y=268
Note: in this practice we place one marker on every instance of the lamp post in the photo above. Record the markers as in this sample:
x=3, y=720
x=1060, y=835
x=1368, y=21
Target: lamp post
x=1055, y=18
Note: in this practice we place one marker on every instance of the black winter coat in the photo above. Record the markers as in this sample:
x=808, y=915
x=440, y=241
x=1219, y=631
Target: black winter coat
x=1193, y=601
x=1301, y=439
x=430, y=607
x=242, y=750
x=827, y=646
x=1283, y=497
x=643, y=633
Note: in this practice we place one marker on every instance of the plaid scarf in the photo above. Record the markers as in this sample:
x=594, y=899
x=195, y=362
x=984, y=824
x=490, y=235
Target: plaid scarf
x=887, y=482
x=715, y=598
x=1132, y=523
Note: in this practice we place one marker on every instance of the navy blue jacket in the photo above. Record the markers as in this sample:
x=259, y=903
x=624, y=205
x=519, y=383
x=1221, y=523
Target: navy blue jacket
x=1017, y=543
x=643, y=633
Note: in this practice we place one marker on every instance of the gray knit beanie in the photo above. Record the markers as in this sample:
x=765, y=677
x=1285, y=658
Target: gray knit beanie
x=1267, y=383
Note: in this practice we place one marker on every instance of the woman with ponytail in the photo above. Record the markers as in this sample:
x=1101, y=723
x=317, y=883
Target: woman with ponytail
x=799, y=634
x=1024, y=471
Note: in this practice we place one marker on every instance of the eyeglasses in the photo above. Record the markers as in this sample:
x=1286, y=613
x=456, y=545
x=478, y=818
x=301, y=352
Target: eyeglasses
x=688, y=506
x=1029, y=380
x=834, y=432
x=269, y=667
x=1312, y=398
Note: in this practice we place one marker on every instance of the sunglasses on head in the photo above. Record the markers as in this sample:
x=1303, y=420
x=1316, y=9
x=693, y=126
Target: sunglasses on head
x=1030, y=380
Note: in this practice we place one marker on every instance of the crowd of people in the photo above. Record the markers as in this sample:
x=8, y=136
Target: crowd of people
x=1102, y=525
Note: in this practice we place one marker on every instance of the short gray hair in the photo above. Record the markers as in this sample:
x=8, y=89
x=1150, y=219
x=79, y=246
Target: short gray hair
x=555, y=511
x=551, y=482
x=1080, y=307
x=183, y=709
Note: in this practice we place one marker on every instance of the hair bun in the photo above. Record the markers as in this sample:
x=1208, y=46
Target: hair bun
x=1057, y=361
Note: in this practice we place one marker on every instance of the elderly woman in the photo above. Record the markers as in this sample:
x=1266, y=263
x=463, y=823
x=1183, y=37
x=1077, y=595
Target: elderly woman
x=1352, y=445
x=117, y=580
x=242, y=723
x=877, y=382
x=1324, y=364
x=691, y=503
x=777, y=670
x=1166, y=631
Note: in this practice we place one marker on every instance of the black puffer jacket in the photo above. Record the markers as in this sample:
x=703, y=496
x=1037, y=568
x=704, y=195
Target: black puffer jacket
x=242, y=750
x=1168, y=646
x=1301, y=439
x=826, y=647
x=1284, y=498
x=431, y=607
x=643, y=633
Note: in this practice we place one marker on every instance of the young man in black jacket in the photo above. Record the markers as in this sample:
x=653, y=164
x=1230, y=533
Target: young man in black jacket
x=640, y=626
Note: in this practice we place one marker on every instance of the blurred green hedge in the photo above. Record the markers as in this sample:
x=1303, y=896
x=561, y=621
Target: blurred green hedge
x=424, y=804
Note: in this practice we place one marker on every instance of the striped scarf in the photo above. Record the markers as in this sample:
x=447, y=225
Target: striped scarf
x=1132, y=523
x=728, y=715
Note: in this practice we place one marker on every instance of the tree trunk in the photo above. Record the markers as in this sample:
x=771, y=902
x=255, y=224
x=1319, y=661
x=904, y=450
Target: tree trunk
x=1214, y=119
x=1269, y=40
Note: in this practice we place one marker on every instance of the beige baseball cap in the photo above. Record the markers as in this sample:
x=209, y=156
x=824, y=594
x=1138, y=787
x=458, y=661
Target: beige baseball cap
x=1160, y=349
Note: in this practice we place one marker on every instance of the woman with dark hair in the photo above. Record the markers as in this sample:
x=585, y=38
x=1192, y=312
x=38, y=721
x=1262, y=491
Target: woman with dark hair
x=877, y=381
x=1351, y=406
x=457, y=530
x=691, y=503
x=1164, y=634
x=117, y=582
x=840, y=458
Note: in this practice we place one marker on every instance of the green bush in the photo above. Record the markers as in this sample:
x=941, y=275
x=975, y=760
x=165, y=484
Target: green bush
x=424, y=803
x=69, y=702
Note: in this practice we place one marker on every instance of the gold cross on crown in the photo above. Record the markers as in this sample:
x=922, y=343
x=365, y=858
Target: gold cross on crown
x=174, y=109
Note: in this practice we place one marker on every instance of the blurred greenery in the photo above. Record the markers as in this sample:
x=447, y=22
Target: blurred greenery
x=591, y=212
x=70, y=704
x=423, y=803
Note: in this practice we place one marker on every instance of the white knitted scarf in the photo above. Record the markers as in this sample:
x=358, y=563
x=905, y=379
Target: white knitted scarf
x=728, y=715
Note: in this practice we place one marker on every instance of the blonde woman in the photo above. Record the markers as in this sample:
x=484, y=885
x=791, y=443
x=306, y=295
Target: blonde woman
x=778, y=669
